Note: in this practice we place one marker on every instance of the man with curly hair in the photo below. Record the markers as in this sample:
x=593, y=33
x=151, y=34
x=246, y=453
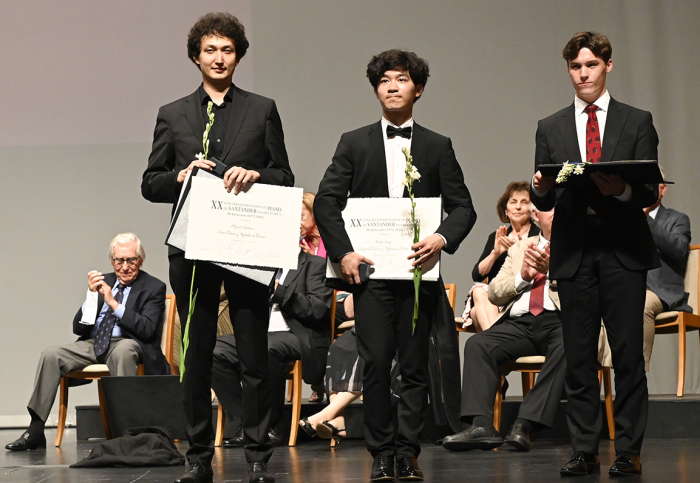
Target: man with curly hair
x=369, y=162
x=247, y=137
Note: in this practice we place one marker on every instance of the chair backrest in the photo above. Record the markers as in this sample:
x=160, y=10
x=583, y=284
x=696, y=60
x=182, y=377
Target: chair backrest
x=451, y=291
x=692, y=278
x=166, y=340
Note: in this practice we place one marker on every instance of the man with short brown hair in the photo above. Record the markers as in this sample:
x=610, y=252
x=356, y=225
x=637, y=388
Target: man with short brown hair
x=601, y=250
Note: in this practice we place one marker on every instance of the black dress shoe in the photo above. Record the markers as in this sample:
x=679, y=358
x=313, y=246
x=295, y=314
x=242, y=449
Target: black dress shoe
x=407, y=469
x=626, y=466
x=196, y=474
x=474, y=437
x=27, y=441
x=519, y=438
x=236, y=442
x=382, y=468
x=257, y=473
x=580, y=464
x=274, y=438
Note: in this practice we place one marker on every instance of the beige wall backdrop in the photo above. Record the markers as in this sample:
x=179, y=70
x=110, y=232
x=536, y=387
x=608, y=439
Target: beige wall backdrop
x=83, y=80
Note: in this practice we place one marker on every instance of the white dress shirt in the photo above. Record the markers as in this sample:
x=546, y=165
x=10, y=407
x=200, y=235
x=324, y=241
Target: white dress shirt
x=522, y=304
x=581, y=118
x=395, y=159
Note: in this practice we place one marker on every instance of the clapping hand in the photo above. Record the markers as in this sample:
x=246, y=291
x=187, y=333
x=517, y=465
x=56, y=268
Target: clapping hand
x=503, y=241
x=535, y=260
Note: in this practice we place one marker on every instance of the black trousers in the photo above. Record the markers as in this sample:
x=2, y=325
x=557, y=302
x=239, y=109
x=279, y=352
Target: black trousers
x=509, y=339
x=283, y=349
x=603, y=287
x=249, y=309
x=383, y=312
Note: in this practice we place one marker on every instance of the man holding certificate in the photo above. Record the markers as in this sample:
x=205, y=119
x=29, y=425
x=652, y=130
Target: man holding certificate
x=601, y=249
x=368, y=163
x=246, y=137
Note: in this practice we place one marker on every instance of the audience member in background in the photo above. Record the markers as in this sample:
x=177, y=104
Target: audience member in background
x=530, y=325
x=299, y=330
x=513, y=208
x=665, y=288
x=311, y=243
x=343, y=380
x=119, y=324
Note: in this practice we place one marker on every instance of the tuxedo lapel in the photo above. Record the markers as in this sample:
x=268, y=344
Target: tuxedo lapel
x=567, y=127
x=419, y=151
x=239, y=107
x=613, y=129
x=377, y=160
x=193, y=115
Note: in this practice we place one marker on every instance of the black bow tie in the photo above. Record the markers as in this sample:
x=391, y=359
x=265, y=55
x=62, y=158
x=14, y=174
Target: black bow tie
x=404, y=132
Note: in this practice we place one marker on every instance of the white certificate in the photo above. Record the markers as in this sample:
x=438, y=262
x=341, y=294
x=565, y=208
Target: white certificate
x=257, y=228
x=380, y=229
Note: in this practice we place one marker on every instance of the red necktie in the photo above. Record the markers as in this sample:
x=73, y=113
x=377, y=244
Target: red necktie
x=537, y=294
x=593, y=149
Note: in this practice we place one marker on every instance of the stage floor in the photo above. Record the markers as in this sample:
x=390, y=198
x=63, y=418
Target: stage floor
x=664, y=460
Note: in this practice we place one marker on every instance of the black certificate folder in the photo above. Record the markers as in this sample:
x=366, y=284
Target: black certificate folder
x=630, y=171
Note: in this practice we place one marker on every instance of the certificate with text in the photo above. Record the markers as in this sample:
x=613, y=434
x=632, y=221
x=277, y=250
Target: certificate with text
x=381, y=230
x=257, y=228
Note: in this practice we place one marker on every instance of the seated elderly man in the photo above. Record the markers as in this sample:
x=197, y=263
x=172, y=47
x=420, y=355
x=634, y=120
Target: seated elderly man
x=529, y=325
x=299, y=329
x=119, y=324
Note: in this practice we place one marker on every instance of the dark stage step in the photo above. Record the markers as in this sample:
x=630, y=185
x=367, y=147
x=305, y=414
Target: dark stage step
x=669, y=417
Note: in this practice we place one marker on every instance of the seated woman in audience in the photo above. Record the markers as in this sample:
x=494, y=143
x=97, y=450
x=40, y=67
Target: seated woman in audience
x=310, y=239
x=513, y=208
x=343, y=379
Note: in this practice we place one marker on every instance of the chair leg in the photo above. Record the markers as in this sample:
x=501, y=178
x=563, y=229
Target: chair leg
x=681, y=357
x=62, y=411
x=103, y=410
x=604, y=373
x=498, y=405
x=296, y=404
x=220, y=417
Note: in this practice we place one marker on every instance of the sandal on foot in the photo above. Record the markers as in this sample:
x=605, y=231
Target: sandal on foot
x=307, y=428
x=326, y=430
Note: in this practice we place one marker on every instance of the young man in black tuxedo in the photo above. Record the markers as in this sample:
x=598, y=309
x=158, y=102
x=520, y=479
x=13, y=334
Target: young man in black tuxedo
x=369, y=162
x=601, y=249
x=247, y=137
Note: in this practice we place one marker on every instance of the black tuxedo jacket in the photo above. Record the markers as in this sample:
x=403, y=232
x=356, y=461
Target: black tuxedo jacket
x=671, y=232
x=305, y=301
x=629, y=135
x=142, y=320
x=253, y=140
x=358, y=170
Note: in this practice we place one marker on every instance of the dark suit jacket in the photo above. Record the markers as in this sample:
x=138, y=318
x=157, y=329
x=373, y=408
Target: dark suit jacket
x=358, y=170
x=629, y=135
x=671, y=232
x=142, y=320
x=305, y=301
x=253, y=140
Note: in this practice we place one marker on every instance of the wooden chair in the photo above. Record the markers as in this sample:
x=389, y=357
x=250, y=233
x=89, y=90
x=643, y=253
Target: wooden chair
x=530, y=366
x=97, y=371
x=674, y=322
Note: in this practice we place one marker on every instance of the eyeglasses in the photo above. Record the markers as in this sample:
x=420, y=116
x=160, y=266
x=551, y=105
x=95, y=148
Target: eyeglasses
x=131, y=261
